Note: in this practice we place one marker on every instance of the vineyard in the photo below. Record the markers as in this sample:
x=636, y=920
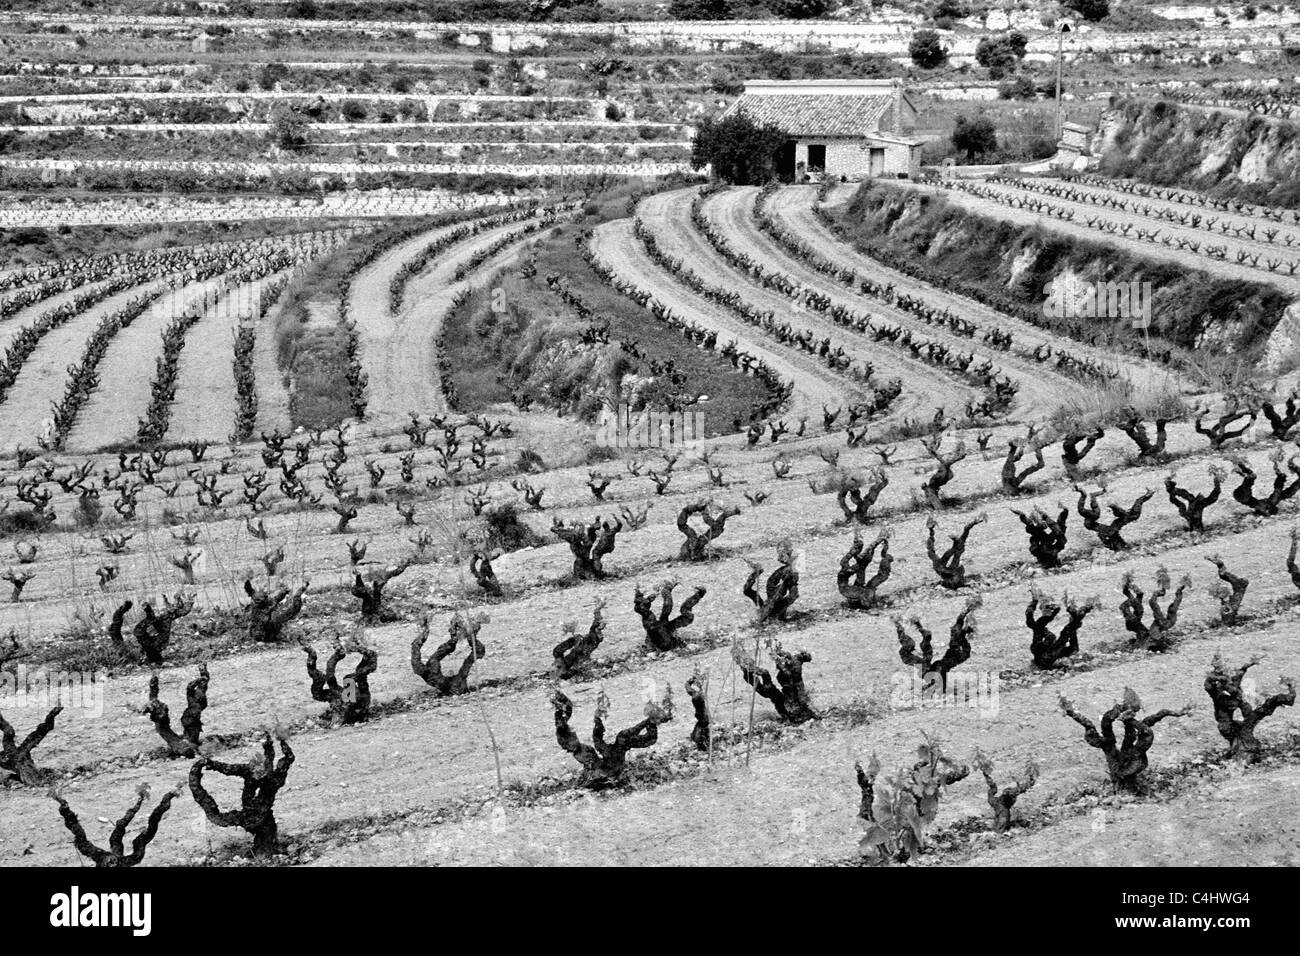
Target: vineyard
x=318, y=546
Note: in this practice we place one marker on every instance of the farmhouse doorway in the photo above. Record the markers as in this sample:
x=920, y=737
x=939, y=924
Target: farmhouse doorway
x=817, y=159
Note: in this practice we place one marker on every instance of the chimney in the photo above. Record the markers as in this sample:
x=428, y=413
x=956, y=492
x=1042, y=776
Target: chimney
x=898, y=106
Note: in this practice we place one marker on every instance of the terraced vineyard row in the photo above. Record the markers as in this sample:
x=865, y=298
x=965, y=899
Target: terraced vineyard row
x=115, y=325
x=800, y=227
x=1227, y=255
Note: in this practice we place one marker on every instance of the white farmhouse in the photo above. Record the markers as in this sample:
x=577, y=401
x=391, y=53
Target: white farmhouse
x=838, y=129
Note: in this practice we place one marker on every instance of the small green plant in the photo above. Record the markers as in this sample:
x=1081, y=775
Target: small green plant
x=899, y=808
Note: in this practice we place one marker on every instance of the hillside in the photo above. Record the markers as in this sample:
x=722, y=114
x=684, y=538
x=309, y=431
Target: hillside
x=1015, y=262
x=1224, y=153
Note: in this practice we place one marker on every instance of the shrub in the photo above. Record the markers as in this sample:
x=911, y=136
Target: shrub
x=856, y=501
x=573, y=653
x=1049, y=649
x=1093, y=10
x=16, y=758
x=974, y=136
x=926, y=50
x=737, y=149
x=661, y=629
x=1126, y=759
x=781, y=589
x=1019, y=88
x=529, y=462
x=1191, y=505
x=262, y=782
x=1110, y=532
x=269, y=612
x=271, y=74
x=1047, y=536
x=948, y=565
x=1230, y=590
x=371, y=593
x=348, y=699
x=859, y=591
x=462, y=627
x=700, y=10
x=802, y=9
x=186, y=743
x=289, y=130
x=934, y=673
x=1268, y=505
x=605, y=763
x=697, y=543
x=589, y=544
x=506, y=531
x=787, y=694
x=1001, y=55
x=1158, y=635
x=1225, y=690
x=1003, y=800
x=153, y=632
x=1013, y=481
x=116, y=855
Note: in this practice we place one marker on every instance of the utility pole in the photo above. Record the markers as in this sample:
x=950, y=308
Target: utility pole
x=1062, y=28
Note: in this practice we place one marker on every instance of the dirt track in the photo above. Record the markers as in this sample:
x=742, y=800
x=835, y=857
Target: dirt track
x=272, y=393
x=206, y=401
x=402, y=361
x=44, y=375
x=126, y=376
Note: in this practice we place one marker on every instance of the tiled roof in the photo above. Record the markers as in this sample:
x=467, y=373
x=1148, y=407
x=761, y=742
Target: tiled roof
x=818, y=114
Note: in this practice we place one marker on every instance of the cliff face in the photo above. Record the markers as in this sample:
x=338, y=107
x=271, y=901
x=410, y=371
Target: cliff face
x=1225, y=154
x=1019, y=265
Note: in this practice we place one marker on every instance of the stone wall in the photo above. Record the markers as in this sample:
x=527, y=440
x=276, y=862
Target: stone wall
x=851, y=157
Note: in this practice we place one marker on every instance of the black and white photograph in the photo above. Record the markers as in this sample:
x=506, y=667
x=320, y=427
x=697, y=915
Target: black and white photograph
x=560, y=434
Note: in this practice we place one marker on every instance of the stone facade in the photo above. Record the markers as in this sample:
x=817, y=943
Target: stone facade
x=859, y=158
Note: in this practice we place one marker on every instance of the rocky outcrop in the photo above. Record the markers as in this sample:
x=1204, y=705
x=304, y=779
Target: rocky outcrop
x=1019, y=266
x=1282, y=349
x=1223, y=152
